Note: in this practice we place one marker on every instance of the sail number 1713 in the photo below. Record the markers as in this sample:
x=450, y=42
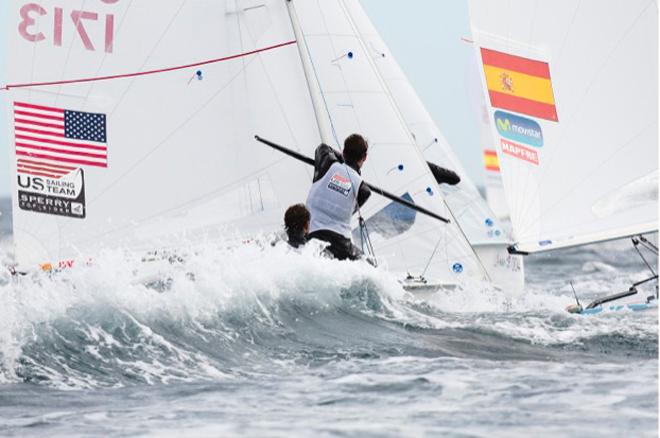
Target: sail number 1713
x=79, y=21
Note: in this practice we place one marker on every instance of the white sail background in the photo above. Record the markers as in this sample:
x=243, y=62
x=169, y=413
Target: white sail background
x=597, y=173
x=181, y=154
x=478, y=222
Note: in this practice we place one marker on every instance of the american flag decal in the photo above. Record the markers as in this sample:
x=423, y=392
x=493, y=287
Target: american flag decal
x=53, y=141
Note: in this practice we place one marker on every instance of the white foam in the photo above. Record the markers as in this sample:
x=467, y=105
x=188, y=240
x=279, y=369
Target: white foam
x=250, y=283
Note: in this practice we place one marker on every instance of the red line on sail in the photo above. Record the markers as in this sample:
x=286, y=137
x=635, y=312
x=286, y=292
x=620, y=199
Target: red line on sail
x=148, y=72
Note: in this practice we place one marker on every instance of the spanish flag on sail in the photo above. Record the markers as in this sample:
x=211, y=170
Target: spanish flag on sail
x=491, y=161
x=519, y=84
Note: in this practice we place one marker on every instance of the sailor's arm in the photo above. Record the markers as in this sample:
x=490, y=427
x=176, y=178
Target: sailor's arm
x=443, y=175
x=363, y=194
x=324, y=157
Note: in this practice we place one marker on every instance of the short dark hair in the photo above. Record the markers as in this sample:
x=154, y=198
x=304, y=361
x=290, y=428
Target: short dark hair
x=355, y=148
x=296, y=217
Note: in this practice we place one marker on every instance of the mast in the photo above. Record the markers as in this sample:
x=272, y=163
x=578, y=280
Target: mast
x=320, y=108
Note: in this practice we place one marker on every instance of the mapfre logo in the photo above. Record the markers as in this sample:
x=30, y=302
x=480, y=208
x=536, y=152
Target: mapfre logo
x=520, y=129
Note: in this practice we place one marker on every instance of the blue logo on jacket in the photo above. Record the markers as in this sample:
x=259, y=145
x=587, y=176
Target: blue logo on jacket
x=518, y=129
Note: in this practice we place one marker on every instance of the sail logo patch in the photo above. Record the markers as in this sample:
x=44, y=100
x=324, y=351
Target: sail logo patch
x=520, y=152
x=63, y=196
x=519, y=129
x=519, y=84
x=340, y=184
x=52, y=141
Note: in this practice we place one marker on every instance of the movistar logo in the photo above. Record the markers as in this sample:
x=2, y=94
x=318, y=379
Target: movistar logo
x=516, y=128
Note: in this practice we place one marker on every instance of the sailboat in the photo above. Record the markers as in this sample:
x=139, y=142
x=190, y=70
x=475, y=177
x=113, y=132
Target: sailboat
x=134, y=128
x=572, y=90
x=481, y=226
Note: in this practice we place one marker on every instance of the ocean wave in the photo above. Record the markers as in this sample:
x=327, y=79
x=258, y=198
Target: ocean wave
x=218, y=314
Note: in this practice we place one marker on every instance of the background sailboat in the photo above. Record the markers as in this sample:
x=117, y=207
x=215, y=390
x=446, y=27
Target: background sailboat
x=574, y=112
x=573, y=107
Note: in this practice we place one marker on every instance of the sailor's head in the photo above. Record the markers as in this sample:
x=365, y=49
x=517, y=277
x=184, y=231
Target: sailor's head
x=355, y=150
x=296, y=219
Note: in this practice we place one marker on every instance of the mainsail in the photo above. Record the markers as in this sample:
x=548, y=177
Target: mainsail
x=180, y=157
x=572, y=88
x=355, y=98
x=134, y=123
x=479, y=223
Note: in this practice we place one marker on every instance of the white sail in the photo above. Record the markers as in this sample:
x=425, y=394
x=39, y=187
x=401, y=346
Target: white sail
x=354, y=98
x=480, y=225
x=178, y=154
x=155, y=113
x=573, y=104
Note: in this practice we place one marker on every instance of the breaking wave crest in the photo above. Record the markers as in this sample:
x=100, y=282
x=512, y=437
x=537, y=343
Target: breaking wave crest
x=218, y=314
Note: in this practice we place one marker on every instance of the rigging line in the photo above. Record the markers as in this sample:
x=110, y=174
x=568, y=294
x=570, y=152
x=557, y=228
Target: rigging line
x=89, y=91
x=358, y=37
x=38, y=222
x=105, y=53
x=412, y=142
x=274, y=89
x=568, y=30
x=585, y=179
x=32, y=61
x=532, y=26
x=316, y=76
x=650, y=249
x=167, y=138
x=552, y=155
x=635, y=242
x=68, y=54
x=327, y=109
x=649, y=243
x=208, y=195
x=151, y=72
x=151, y=53
x=432, y=256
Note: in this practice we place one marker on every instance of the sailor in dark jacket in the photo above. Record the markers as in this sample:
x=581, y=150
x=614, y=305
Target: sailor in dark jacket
x=336, y=193
x=296, y=224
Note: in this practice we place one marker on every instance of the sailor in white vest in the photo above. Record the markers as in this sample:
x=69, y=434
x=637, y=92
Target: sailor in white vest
x=336, y=193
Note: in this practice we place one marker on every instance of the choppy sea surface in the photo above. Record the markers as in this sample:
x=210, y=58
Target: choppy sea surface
x=255, y=342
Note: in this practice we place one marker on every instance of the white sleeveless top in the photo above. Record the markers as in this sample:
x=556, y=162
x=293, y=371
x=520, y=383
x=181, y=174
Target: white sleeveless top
x=332, y=199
